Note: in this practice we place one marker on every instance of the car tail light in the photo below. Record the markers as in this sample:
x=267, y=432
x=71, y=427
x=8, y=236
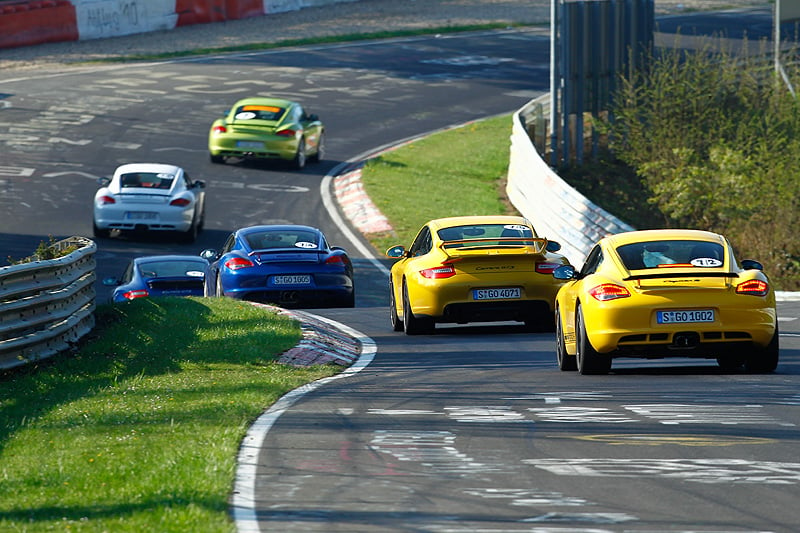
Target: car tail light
x=105, y=200
x=546, y=268
x=442, y=272
x=139, y=293
x=753, y=287
x=236, y=263
x=220, y=129
x=180, y=202
x=609, y=291
x=334, y=260
x=285, y=133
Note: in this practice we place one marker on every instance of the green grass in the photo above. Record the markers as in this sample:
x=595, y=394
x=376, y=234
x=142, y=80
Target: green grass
x=461, y=171
x=140, y=429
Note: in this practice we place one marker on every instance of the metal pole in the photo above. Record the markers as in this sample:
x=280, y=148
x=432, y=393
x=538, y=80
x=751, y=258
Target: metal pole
x=554, y=77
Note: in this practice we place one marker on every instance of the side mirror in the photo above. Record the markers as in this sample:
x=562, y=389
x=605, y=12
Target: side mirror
x=104, y=181
x=396, y=251
x=209, y=254
x=565, y=272
x=553, y=246
x=750, y=264
x=312, y=118
x=110, y=282
x=199, y=184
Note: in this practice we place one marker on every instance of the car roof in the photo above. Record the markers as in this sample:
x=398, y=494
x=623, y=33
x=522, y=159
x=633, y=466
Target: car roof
x=449, y=222
x=156, y=168
x=275, y=227
x=168, y=257
x=629, y=237
x=277, y=102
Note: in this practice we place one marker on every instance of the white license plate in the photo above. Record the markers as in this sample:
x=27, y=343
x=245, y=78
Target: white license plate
x=249, y=144
x=141, y=215
x=510, y=293
x=296, y=279
x=683, y=317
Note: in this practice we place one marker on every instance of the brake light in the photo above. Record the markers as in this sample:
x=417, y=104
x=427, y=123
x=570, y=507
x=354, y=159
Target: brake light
x=105, y=200
x=546, y=268
x=442, y=272
x=285, y=133
x=753, y=287
x=238, y=262
x=220, y=129
x=139, y=293
x=609, y=291
x=180, y=202
x=334, y=260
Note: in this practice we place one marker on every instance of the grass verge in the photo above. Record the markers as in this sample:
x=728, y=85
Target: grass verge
x=139, y=430
x=461, y=171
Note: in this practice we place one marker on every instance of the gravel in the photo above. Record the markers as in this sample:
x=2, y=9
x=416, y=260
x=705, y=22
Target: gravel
x=361, y=16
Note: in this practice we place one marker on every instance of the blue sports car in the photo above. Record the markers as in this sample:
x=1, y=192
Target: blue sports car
x=159, y=275
x=288, y=265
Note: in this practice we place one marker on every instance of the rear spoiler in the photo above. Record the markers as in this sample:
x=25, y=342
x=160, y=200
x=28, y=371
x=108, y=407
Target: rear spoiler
x=454, y=247
x=693, y=274
x=293, y=249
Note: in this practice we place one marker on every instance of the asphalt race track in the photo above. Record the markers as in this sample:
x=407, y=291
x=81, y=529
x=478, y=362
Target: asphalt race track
x=472, y=429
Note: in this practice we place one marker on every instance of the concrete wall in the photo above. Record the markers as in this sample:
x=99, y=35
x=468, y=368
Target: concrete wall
x=30, y=22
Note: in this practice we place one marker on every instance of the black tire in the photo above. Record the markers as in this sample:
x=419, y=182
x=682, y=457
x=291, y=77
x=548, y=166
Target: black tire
x=190, y=235
x=589, y=360
x=349, y=300
x=397, y=324
x=566, y=362
x=100, y=233
x=299, y=161
x=412, y=324
x=320, y=153
x=216, y=159
x=763, y=360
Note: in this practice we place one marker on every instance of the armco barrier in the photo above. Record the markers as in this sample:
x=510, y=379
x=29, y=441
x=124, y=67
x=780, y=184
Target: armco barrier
x=557, y=210
x=46, y=306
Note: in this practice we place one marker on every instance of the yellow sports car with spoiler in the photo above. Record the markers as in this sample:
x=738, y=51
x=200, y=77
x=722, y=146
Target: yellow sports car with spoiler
x=665, y=293
x=474, y=269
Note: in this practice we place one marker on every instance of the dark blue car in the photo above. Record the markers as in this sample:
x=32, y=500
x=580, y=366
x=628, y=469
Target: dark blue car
x=160, y=275
x=287, y=265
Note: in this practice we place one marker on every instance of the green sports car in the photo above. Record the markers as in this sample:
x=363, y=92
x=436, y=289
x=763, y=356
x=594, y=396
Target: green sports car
x=267, y=128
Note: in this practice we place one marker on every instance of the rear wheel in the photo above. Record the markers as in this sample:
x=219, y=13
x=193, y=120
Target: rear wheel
x=566, y=362
x=589, y=360
x=320, y=153
x=414, y=325
x=100, y=233
x=763, y=360
x=216, y=159
x=397, y=324
x=299, y=161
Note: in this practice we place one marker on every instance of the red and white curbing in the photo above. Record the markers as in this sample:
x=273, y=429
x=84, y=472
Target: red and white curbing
x=357, y=205
x=322, y=343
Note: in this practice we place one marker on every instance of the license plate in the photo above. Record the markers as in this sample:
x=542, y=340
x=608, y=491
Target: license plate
x=497, y=294
x=140, y=215
x=683, y=317
x=296, y=279
x=249, y=144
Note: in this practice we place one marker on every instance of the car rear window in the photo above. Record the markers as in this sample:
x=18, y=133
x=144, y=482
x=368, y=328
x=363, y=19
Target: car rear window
x=283, y=239
x=485, y=235
x=259, y=112
x=147, y=180
x=671, y=253
x=168, y=269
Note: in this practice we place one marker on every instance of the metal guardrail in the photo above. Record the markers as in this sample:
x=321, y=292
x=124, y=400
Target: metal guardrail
x=47, y=306
x=556, y=209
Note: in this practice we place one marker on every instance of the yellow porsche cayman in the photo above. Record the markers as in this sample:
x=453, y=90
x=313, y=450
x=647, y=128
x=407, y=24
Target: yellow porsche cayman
x=665, y=293
x=474, y=269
